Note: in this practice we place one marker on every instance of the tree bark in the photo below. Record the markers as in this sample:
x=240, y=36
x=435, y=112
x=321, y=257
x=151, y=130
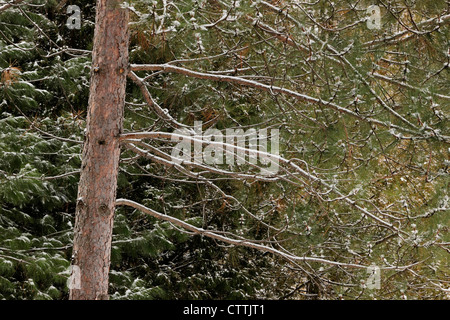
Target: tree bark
x=101, y=152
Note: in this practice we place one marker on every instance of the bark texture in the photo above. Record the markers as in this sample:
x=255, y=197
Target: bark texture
x=101, y=152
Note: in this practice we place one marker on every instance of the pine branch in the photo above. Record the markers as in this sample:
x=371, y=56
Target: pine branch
x=10, y=4
x=275, y=89
x=243, y=243
x=279, y=159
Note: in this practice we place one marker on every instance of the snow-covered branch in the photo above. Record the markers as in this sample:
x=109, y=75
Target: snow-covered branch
x=240, y=242
x=294, y=169
x=8, y=5
x=268, y=88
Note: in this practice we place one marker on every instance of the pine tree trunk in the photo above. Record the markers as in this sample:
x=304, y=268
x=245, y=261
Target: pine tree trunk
x=101, y=152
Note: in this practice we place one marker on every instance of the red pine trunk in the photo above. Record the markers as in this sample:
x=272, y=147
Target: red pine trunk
x=98, y=181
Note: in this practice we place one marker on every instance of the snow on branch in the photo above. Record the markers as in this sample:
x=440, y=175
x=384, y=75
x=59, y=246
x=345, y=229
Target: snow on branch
x=162, y=113
x=10, y=4
x=242, y=242
x=131, y=139
x=275, y=89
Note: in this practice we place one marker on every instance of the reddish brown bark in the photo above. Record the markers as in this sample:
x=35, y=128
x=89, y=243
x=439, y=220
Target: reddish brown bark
x=97, y=186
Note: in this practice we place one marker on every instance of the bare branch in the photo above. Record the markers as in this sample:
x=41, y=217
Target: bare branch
x=244, y=243
x=214, y=235
x=10, y=4
x=162, y=113
x=271, y=89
